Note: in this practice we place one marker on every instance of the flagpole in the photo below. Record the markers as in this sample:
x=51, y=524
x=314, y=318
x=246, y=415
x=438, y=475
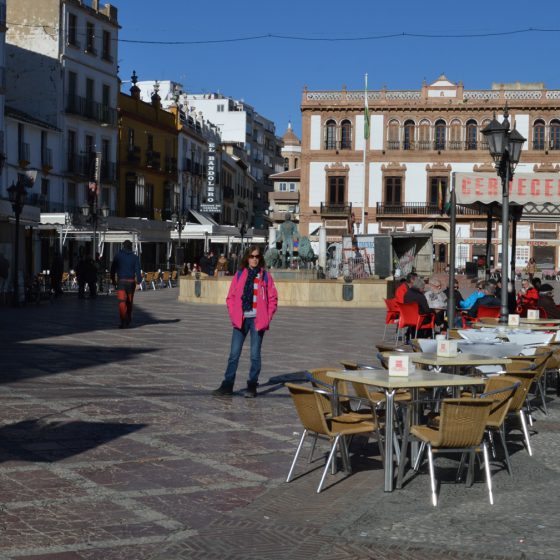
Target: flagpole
x=366, y=137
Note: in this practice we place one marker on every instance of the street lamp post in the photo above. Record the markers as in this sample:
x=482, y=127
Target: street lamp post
x=505, y=148
x=179, y=221
x=91, y=210
x=17, y=194
x=93, y=214
x=242, y=226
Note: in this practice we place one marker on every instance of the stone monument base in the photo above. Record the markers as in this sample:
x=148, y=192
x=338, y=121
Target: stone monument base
x=292, y=292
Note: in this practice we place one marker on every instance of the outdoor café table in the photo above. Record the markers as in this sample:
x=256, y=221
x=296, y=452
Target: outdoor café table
x=488, y=349
x=462, y=359
x=531, y=322
x=524, y=327
x=414, y=381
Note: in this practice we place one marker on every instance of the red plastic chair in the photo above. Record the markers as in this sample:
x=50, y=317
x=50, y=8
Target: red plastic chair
x=410, y=317
x=485, y=311
x=392, y=315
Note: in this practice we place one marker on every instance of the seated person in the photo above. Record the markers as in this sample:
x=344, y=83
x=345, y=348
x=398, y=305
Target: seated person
x=457, y=293
x=488, y=299
x=415, y=294
x=546, y=301
x=437, y=300
x=435, y=297
x=477, y=294
x=527, y=297
x=404, y=286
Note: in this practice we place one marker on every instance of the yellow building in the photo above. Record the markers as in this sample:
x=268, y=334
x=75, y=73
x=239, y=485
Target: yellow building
x=147, y=157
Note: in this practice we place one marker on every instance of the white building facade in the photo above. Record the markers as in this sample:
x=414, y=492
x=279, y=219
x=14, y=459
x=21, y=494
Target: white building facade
x=417, y=140
x=70, y=82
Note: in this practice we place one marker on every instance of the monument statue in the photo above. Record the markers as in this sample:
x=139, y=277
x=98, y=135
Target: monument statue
x=305, y=251
x=288, y=234
x=272, y=258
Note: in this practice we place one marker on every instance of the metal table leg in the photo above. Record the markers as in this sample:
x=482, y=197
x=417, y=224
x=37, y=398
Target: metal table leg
x=389, y=430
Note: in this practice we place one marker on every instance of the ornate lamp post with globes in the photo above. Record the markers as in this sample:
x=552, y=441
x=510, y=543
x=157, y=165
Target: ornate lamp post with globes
x=505, y=147
x=17, y=194
x=179, y=221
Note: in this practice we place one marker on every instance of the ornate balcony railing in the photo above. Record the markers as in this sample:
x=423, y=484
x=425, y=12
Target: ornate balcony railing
x=90, y=109
x=418, y=209
x=330, y=209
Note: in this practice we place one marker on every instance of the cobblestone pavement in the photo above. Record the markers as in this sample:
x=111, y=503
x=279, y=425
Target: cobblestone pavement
x=113, y=448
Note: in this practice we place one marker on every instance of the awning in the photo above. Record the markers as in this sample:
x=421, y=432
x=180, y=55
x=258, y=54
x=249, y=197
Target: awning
x=116, y=230
x=486, y=188
x=30, y=215
x=203, y=218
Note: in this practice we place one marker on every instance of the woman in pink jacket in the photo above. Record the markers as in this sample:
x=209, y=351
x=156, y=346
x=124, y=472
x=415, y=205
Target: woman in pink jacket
x=252, y=301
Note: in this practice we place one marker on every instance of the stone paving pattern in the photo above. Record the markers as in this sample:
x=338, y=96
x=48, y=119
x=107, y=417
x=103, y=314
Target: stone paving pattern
x=113, y=448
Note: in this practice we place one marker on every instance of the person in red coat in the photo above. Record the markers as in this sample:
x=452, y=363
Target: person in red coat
x=527, y=297
x=404, y=287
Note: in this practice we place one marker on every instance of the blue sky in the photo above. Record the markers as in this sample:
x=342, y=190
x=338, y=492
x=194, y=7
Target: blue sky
x=270, y=73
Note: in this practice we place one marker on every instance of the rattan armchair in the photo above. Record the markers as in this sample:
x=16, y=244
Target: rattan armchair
x=517, y=404
x=336, y=428
x=500, y=390
x=460, y=429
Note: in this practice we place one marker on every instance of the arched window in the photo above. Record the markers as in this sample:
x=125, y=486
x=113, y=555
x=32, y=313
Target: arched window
x=538, y=135
x=555, y=134
x=472, y=134
x=296, y=163
x=393, y=135
x=286, y=164
x=440, y=129
x=346, y=135
x=408, y=139
x=455, y=130
x=330, y=135
x=424, y=135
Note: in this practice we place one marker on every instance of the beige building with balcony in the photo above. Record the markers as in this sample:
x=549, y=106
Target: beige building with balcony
x=417, y=139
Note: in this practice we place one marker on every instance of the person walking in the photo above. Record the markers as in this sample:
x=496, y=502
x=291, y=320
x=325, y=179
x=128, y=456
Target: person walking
x=252, y=301
x=221, y=266
x=57, y=270
x=126, y=269
x=531, y=268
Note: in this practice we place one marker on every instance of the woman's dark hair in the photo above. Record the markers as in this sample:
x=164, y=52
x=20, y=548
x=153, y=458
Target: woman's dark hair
x=245, y=259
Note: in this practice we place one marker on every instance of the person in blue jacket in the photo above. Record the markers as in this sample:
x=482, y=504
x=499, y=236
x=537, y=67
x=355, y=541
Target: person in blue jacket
x=125, y=274
x=477, y=294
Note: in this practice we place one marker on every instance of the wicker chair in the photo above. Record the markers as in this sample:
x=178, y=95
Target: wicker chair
x=500, y=390
x=311, y=413
x=460, y=429
x=518, y=402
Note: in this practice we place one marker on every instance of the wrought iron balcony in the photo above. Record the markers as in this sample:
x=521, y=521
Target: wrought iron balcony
x=437, y=145
x=153, y=160
x=90, y=109
x=333, y=209
x=418, y=209
x=133, y=155
x=338, y=144
x=78, y=165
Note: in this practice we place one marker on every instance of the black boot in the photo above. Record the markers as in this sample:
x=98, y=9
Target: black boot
x=224, y=389
x=251, y=390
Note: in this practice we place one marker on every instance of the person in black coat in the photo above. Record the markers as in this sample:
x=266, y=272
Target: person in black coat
x=489, y=299
x=415, y=294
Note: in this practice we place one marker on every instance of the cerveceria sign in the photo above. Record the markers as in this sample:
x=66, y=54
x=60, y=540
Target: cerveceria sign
x=211, y=204
x=486, y=188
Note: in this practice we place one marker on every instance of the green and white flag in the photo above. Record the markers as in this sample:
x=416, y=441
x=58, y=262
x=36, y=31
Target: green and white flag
x=366, y=111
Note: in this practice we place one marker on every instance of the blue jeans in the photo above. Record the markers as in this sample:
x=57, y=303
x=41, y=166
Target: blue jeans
x=237, y=340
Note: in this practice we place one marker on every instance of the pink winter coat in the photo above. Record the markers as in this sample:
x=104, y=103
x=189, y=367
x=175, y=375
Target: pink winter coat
x=267, y=300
